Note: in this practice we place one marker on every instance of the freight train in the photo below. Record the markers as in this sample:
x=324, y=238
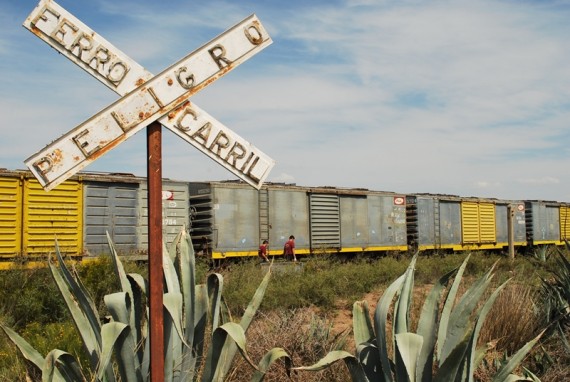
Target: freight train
x=229, y=219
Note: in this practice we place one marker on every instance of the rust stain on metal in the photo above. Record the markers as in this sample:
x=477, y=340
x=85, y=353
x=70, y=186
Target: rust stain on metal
x=154, y=176
x=108, y=147
x=103, y=143
x=57, y=156
x=36, y=31
x=139, y=82
x=178, y=109
x=170, y=82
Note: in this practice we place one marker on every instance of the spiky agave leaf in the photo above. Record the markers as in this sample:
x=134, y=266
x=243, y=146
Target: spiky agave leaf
x=460, y=321
x=119, y=306
x=25, y=348
x=530, y=376
x=470, y=364
x=447, y=308
x=118, y=266
x=215, y=284
x=231, y=348
x=402, y=309
x=171, y=282
x=145, y=348
x=201, y=324
x=556, y=298
x=368, y=358
x=183, y=252
x=361, y=322
x=449, y=369
x=380, y=323
x=508, y=367
x=135, y=287
x=401, y=322
x=408, y=348
x=172, y=301
x=269, y=359
x=139, y=289
x=60, y=366
x=456, y=354
x=172, y=249
x=225, y=313
x=174, y=336
x=355, y=368
x=213, y=370
x=113, y=335
x=80, y=306
x=427, y=327
x=367, y=354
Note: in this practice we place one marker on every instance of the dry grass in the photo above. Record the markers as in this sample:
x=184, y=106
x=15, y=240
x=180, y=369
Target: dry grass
x=513, y=320
x=304, y=335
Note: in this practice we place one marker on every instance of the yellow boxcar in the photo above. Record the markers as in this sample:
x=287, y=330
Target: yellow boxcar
x=479, y=225
x=564, y=223
x=10, y=215
x=57, y=214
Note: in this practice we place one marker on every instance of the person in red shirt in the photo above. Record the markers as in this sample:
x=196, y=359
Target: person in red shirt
x=289, y=249
x=263, y=251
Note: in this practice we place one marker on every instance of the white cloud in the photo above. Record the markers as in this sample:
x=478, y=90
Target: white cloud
x=443, y=97
x=538, y=181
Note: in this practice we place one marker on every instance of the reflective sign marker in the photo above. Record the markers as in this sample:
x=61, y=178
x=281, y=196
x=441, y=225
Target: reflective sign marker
x=165, y=95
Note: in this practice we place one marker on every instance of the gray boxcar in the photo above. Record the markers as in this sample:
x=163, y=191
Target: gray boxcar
x=462, y=223
x=543, y=222
x=224, y=219
x=231, y=219
x=118, y=204
x=110, y=204
x=175, y=211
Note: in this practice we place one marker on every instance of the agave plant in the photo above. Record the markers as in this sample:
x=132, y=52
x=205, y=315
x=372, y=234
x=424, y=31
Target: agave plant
x=444, y=346
x=556, y=297
x=541, y=254
x=122, y=344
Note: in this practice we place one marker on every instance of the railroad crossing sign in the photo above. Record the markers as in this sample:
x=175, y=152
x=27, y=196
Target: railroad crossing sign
x=148, y=101
x=145, y=98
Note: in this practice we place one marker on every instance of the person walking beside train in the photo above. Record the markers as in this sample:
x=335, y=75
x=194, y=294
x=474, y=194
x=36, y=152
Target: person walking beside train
x=289, y=249
x=263, y=251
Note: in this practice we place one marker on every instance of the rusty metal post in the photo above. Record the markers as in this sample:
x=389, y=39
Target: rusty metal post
x=155, y=272
x=511, y=231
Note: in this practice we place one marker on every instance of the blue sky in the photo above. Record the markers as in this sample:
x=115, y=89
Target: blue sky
x=469, y=98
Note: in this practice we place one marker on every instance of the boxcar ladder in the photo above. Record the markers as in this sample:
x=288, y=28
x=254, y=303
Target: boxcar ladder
x=436, y=225
x=263, y=214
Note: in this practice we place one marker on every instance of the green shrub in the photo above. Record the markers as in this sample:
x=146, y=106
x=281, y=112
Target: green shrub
x=30, y=296
x=45, y=337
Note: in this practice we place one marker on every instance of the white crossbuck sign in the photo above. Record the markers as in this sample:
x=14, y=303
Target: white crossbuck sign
x=164, y=97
